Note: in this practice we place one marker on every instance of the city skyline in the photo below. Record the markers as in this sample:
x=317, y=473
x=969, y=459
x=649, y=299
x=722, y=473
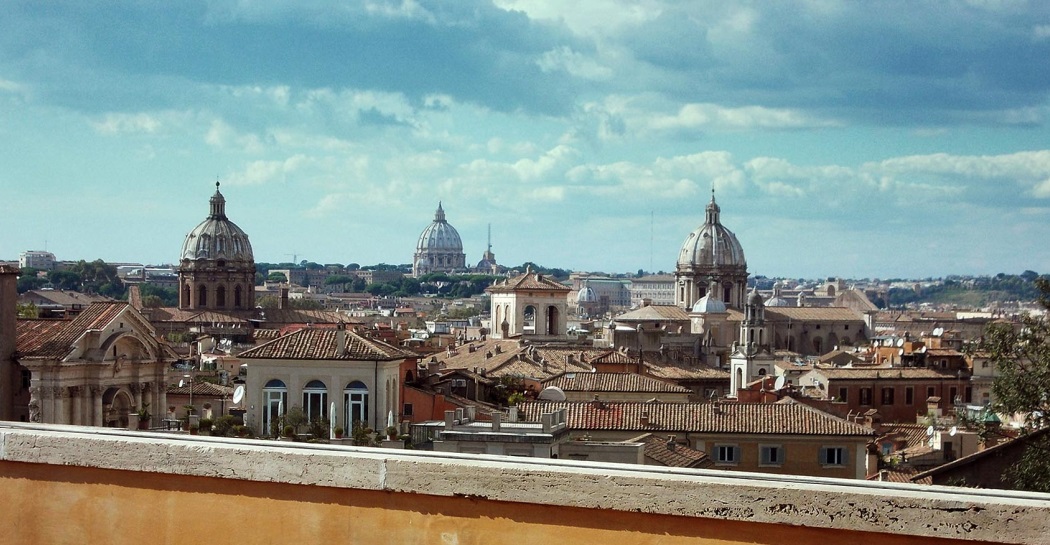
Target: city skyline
x=841, y=139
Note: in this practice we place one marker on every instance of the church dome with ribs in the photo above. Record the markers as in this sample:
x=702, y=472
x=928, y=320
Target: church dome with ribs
x=217, y=237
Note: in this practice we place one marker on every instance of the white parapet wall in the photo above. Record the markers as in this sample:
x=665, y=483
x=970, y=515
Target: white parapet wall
x=887, y=508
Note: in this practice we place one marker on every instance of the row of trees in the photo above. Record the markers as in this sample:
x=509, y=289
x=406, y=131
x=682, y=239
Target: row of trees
x=96, y=277
x=978, y=291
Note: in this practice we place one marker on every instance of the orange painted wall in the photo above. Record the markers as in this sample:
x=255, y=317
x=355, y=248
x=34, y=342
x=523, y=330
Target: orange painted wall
x=73, y=505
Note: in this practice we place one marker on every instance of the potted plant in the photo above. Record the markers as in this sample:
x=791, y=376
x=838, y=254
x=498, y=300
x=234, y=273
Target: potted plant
x=205, y=425
x=288, y=433
x=144, y=417
x=391, y=433
x=339, y=432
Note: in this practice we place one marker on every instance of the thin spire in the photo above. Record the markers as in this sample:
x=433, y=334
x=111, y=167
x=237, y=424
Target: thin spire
x=440, y=214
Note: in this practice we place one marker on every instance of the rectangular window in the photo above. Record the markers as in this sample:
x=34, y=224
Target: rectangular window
x=931, y=392
x=833, y=456
x=887, y=396
x=843, y=394
x=969, y=395
x=953, y=395
x=727, y=454
x=771, y=455
x=407, y=411
x=865, y=396
x=909, y=395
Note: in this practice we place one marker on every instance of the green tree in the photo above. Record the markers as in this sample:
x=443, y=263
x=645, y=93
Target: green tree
x=30, y=280
x=168, y=297
x=64, y=280
x=27, y=310
x=276, y=277
x=1022, y=361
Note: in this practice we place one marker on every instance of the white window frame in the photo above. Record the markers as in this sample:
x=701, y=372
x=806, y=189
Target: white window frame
x=838, y=459
x=274, y=399
x=319, y=390
x=726, y=454
x=355, y=400
x=764, y=458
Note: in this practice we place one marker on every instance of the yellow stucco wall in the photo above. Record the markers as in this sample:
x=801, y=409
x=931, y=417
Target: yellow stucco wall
x=48, y=504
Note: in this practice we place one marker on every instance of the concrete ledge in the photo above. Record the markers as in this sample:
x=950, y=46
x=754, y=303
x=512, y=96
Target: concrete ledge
x=921, y=511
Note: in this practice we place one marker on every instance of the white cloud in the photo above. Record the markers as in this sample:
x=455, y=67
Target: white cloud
x=222, y=135
x=713, y=116
x=115, y=123
x=566, y=60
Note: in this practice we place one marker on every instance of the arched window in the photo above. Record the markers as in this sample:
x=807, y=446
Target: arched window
x=237, y=302
x=186, y=300
x=315, y=400
x=274, y=404
x=220, y=296
x=529, y=322
x=552, y=321
x=202, y=296
x=355, y=401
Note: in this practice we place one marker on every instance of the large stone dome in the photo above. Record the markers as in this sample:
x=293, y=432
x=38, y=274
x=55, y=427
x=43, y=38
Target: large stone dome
x=439, y=235
x=711, y=244
x=711, y=259
x=217, y=237
x=439, y=248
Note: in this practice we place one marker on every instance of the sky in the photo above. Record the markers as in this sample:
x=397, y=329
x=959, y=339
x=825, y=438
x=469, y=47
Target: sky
x=884, y=139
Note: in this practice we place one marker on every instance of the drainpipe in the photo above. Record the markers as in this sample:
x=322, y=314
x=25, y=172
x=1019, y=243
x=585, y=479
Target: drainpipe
x=375, y=385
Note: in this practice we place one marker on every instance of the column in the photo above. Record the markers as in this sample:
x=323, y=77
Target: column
x=96, y=405
x=78, y=404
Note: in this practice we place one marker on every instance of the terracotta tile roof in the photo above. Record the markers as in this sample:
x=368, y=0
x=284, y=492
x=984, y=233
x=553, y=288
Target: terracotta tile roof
x=977, y=456
x=9, y=269
x=656, y=448
x=530, y=281
x=511, y=360
x=612, y=382
x=53, y=339
x=663, y=313
x=813, y=314
x=888, y=373
x=320, y=344
x=65, y=298
x=201, y=388
x=266, y=334
x=676, y=372
x=750, y=418
x=910, y=434
x=902, y=473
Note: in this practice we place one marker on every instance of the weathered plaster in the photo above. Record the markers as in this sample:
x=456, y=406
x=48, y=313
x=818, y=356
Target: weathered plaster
x=885, y=508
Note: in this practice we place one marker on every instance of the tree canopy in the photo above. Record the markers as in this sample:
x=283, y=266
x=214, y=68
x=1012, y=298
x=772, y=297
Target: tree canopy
x=1022, y=386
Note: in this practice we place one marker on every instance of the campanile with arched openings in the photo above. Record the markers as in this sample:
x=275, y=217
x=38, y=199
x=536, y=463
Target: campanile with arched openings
x=529, y=305
x=216, y=266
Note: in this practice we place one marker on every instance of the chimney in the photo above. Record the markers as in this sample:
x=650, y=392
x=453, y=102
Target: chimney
x=282, y=302
x=645, y=418
x=340, y=339
x=450, y=419
x=497, y=417
x=8, y=338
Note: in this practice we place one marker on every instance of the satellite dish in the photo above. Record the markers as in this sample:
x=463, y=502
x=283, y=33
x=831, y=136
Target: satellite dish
x=900, y=342
x=180, y=383
x=900, y=351
x=780, y=383
x=938, y=331
x=552, y=393
x=238, y=394
x=922, y=350
x=929, y=431
x=953, y=431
